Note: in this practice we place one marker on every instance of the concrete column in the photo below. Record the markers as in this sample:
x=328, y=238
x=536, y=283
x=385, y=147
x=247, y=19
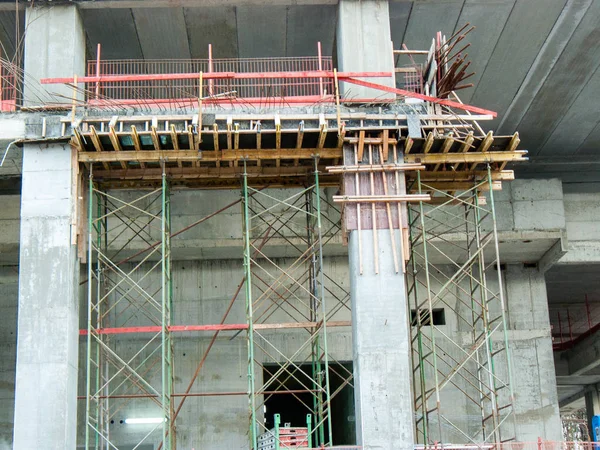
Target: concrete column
x=364, y=44
x=534, y=377
x=54, y=47
x=382, y=369
x=47, y=340
x=592, y=407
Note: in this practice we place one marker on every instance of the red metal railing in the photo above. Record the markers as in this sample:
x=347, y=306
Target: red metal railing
x=184, y=89
x=189, y=88
x=8, y=88
x=571, y=323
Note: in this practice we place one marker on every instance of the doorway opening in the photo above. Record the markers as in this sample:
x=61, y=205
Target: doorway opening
x=293, y=408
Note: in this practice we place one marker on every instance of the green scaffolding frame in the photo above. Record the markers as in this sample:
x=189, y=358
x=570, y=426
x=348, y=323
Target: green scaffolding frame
x=454, y=254
x=125, y=292
x=295, y=290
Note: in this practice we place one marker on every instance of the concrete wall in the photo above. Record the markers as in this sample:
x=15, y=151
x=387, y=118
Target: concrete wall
x=9, y=291
x=536, y=400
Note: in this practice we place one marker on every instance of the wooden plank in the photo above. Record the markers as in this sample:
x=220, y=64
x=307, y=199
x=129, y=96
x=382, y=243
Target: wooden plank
x=374, y=168
x=370, y=140
x=408, y=143
x=116, y=143
x=322, y=131
x=511, y=147
x=96, y=139
x=155, y=138
x=216, y=136
x=361, y=145
x=488, y=157
x=97, y=144
x=175, y=141
x=381, y=198
x=225, y=155
x=341, y=135
x=300, y=136
x=277, y=132
x=385, y=145
x=229, y=130
x=485, y=145
x=504, y=175
x=428, y=143
x=137, y=143
x=446, y=146
x=258, y=136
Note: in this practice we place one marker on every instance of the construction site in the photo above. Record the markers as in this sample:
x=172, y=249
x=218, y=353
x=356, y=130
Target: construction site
x=327, y=224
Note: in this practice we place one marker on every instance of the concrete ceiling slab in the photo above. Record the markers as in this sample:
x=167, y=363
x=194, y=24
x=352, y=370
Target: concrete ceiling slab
x=570, y=284
x=559, y=42
x=514, y=53
x=399, y=14
x=570, y=73
x=162, y=33
x=307, y=25
x=427, y=18
x=490, y=18
x=115, y=30
x=8, y=32
x=591, y=144
x=212, y=25
x=262, y=31
x=577, y=123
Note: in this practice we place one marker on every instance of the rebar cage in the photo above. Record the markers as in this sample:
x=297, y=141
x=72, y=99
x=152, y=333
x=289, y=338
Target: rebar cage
x=125, y=369
x=455, y=266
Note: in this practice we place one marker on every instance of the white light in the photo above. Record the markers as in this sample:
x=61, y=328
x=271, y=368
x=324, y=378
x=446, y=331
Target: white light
x=145, y=420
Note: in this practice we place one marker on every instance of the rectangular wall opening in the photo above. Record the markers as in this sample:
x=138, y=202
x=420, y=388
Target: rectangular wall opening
x=293, y=407
x=438, y=317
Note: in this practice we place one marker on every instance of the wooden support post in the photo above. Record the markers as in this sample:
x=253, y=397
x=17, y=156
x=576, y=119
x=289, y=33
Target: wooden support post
x=374, y=215
x=358, y=213
x=216, y=137
x=137, y=143
x=322, y=131
x=277, y=132
x=361, y=144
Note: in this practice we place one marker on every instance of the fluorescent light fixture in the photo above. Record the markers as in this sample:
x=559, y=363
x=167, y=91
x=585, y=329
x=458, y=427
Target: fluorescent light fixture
x=145, y=420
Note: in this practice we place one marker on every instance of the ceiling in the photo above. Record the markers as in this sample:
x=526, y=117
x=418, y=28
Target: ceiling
x=536, y=61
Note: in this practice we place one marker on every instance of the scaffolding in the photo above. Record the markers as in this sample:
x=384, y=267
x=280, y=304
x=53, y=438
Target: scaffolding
x=455, y=264
x=129, y=346
x=293, y=294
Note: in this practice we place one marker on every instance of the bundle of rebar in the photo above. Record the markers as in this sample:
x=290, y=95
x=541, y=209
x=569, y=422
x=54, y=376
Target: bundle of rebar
x=452, y=65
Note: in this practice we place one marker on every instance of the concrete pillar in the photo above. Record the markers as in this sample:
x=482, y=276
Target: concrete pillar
x=592, y=407
x=47, y=340
x=364, y=44
x=382, y=369
x=54, y=47
x=536, y=399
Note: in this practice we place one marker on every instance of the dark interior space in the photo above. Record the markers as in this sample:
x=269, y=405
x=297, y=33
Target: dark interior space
x=294, y=407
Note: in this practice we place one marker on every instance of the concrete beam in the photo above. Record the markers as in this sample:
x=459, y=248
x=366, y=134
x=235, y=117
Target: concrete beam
x=47, y=342
x=584, y=356
x=552, y=256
